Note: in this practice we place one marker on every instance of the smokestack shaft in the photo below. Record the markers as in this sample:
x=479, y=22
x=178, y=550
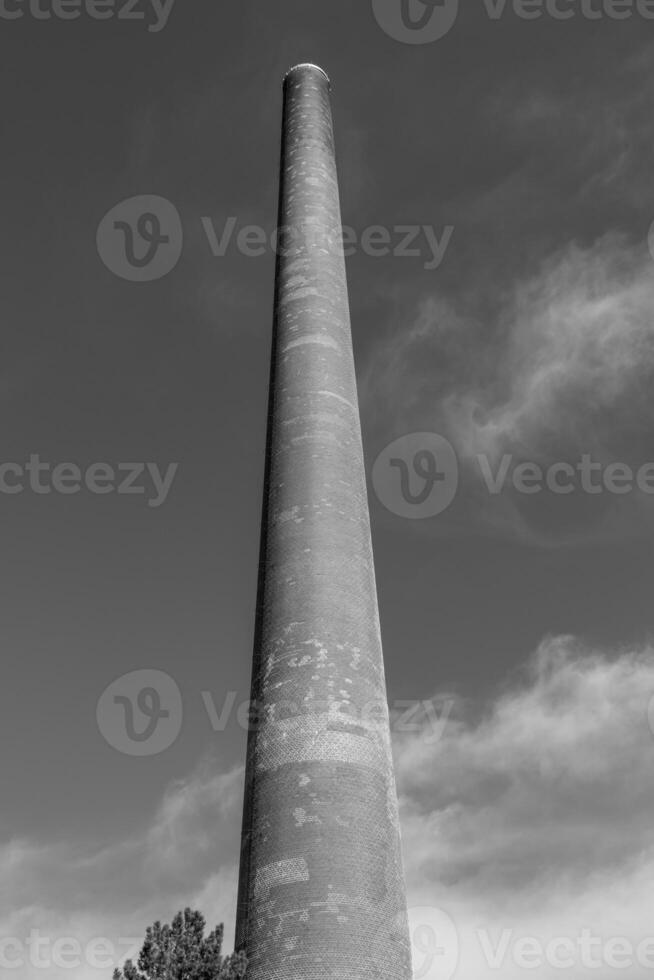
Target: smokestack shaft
x=321, y=891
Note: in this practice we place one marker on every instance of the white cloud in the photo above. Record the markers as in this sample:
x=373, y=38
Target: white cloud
x=535, y=818
x=187, y=856
x=530, y=817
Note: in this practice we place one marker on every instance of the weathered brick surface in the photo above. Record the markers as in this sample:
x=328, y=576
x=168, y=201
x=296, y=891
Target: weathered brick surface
x=321, y=891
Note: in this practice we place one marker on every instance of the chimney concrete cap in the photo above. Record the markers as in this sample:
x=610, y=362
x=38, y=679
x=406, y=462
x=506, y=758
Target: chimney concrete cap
x=308, y=64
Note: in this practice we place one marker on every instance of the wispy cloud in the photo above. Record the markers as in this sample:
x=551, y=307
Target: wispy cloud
x=559, y=366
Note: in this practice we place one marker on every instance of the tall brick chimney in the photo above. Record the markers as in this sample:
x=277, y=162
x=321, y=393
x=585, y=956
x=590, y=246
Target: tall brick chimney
x=321, y=891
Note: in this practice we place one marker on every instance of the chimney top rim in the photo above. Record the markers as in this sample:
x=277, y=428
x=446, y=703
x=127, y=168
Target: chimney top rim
x=308, y=64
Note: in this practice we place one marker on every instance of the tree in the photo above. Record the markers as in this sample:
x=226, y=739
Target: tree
x=180, y=951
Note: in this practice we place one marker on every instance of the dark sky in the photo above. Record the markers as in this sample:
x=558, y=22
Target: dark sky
x=533, y=337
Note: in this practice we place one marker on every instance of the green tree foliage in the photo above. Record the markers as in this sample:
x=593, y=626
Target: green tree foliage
x=180, y=951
